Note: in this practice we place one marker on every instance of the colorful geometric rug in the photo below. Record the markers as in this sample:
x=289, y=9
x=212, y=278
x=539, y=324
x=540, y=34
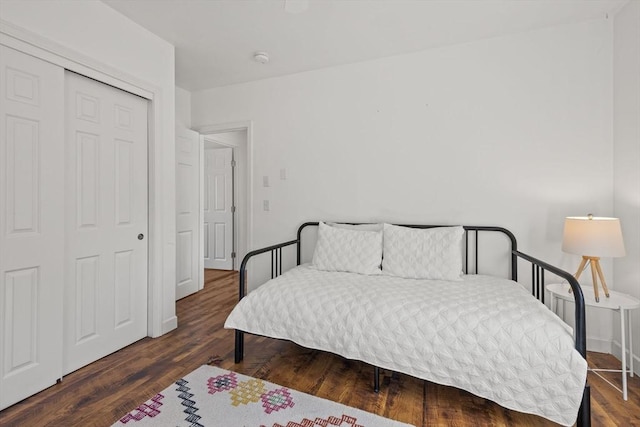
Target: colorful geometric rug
x=212, y=397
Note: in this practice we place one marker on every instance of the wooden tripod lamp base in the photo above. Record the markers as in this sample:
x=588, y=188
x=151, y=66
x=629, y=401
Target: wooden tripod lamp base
x=597, y=236
x=595, y=269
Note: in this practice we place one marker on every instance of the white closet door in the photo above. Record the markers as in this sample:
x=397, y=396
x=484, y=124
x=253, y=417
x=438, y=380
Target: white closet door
x=106, y=220
x=31, y=224
x=218, y=214
x=187, y=213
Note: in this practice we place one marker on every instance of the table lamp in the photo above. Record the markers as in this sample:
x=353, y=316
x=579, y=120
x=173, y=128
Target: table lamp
x=593, y=238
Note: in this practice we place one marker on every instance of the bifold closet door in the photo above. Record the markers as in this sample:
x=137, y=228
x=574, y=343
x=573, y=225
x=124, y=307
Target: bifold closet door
x=31, y=224
x=106, y=220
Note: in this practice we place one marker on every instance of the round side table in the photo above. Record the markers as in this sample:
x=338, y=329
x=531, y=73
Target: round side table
x=617, y=301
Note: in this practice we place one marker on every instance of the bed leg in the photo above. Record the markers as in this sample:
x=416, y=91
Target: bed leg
x=584, y=413
x=376, y=379
x=239, y=346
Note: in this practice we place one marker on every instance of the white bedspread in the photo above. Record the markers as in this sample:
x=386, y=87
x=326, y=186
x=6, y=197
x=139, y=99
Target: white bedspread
x=486, y=335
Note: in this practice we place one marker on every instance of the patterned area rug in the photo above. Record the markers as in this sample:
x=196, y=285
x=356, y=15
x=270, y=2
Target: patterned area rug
x=212, y=397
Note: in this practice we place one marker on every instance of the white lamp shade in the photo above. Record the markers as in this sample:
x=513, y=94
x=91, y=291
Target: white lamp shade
x=593, y=236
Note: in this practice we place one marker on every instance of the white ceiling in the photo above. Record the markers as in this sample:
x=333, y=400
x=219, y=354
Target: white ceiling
x=215, y=39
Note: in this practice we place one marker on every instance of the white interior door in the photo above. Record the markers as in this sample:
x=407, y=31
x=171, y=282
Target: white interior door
x=31, y=218
x=189, y=271
x=217, y=207
x=106, y=220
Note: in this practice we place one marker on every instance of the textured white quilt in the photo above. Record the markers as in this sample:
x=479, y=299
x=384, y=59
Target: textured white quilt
x=483, y=334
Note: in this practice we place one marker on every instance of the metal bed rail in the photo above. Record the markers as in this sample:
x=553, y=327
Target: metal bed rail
x=538, y=268
x=276, y=270
x=469, y=231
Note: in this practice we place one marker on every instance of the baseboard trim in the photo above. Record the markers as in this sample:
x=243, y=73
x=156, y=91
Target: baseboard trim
x=617, y=352
x=169, y=325
x=598, y=345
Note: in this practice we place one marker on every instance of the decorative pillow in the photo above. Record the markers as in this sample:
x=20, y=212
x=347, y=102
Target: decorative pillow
x=353, y=251
x=359, y=227
x=432, y=253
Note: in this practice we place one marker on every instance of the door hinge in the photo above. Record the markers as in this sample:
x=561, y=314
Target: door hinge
x=233, y=209
x=233, y=163
x=233, y=254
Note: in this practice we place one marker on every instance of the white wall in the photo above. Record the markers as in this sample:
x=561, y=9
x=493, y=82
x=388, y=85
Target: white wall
x=626, y=152
x=183, y=108
x=107, y=38
x=512, y=131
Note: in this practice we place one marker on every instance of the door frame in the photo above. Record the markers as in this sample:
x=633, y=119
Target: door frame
x=161, y=151
x=244, y=241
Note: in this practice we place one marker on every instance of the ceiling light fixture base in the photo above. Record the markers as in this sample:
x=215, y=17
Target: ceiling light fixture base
x=261, y=57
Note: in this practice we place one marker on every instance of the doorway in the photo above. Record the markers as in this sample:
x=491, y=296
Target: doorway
x=237, y=137
x=218, y=206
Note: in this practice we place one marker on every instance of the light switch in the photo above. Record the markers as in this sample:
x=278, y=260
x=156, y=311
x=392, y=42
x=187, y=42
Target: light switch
x=265, y=181
x=265, y=205
x=283, y=174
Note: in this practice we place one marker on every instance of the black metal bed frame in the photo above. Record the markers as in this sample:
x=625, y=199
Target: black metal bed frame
x=538, y=269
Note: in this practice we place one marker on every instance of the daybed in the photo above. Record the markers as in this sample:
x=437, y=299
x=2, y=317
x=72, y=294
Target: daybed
x=410, y=299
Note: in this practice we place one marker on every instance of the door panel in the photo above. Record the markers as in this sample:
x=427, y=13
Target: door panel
x=218, y=214
x=87, y=169
x=106, y=201
x=31, y=235
x=86, y=298
x=124, y=181
x=189, y=275
x=124, y=289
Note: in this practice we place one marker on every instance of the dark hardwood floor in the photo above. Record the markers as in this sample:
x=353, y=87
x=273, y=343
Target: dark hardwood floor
x=99, y=394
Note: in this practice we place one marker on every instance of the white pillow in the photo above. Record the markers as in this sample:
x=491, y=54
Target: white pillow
x=359, y=227
x=432, y=253
x=353, y=251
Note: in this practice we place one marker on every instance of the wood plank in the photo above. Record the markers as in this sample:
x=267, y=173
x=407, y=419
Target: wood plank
x=99, y=394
